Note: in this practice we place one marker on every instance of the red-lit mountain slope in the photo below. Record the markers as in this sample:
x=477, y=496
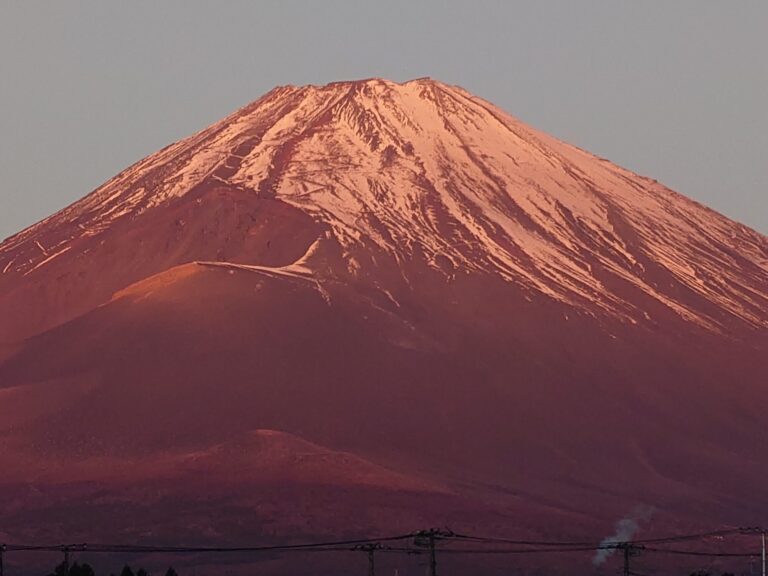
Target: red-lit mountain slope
x=476, y=323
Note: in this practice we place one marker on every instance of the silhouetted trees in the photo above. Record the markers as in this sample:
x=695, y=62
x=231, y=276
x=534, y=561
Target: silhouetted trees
x=81, y=570
x=60, y=570
x=84, y=569
x=75, y=569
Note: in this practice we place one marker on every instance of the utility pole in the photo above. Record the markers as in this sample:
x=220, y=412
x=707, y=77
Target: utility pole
x=2, y=553
x=628, y=550
x=427, y=539
x=627, y=556
x=761, y=531
x=65, y=549
x=432, y=556
x=371, y=564
x=369, y=549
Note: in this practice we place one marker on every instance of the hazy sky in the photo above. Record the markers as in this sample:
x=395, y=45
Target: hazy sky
x=675, y=90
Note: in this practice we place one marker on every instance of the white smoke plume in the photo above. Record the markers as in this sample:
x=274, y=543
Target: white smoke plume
x=626, y=528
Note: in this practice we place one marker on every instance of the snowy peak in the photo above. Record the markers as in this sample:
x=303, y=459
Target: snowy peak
x=426, y=170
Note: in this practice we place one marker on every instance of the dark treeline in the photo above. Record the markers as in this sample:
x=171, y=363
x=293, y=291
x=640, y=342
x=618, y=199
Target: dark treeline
x=85, y=569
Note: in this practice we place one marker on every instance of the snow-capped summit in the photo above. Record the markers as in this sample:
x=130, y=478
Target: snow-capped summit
x=424, y=168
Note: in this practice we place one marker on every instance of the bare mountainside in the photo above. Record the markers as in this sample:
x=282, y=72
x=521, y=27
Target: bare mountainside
x=395, y=298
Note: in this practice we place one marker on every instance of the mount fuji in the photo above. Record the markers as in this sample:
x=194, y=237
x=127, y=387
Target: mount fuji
x=372, y=307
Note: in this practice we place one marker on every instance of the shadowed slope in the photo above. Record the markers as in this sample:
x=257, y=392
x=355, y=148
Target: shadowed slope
x=505, y=392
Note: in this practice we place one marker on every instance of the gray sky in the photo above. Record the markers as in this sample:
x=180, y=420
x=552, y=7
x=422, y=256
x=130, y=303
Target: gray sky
x=675, y=90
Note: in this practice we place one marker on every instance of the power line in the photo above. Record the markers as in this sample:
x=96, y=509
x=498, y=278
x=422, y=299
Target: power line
x=133, y=548
x=493, y=550
x=424, y=542
x=682, y=538
x=428, y=539
x=699, y=536
x=707, y=554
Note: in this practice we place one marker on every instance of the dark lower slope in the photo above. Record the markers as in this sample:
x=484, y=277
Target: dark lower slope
x=520, y=405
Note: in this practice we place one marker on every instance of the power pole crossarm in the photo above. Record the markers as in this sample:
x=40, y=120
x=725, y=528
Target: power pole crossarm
x=629, y=550
x=428, y=539
x=370, y=549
